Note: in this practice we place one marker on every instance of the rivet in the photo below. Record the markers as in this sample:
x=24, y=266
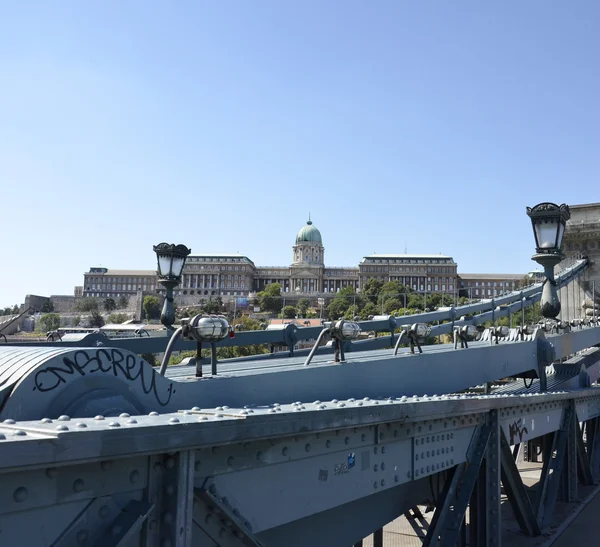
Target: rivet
x=114, y=424
x=81, y=425
x=383, y=449
x=82, y=536
x=363, y=438
x=382, y=482
x=202, y=418
x=259, y=456
x=62, y=428
x=375, y=485
x=382, y=466
x=9, y=421
x=20, y=433
x=104, y=511
x=195, y=408
x=105, y=465
x=285, y=451
x=307, y=447
x=20, y=494
x=218, y=415
x=116, y=530
x=230, y=461
x=99, y=417
x=167, y=517
x=153, y=413
x=124, y=415
x=78, y=485
x=375, y=468
x=134, y=476
x=46, y=421
x=173, y=420
x=397, y=478
x=347, y=440
x=131, y=421
x=51, y=472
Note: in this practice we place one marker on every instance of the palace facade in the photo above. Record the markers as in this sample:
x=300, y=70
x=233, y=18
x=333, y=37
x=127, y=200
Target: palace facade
x=236, y=275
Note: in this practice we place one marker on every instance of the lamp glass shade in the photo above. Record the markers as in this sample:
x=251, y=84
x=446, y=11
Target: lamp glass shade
x=177, y=266
x=164, y=265
x=546, y=232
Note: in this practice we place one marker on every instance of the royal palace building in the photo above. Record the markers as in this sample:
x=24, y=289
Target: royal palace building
x=236, y=275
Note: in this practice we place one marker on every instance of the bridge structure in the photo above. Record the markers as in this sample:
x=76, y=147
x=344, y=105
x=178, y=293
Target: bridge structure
x=99, y=448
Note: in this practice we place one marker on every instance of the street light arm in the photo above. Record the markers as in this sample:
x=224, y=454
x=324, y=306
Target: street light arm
x=165, y=362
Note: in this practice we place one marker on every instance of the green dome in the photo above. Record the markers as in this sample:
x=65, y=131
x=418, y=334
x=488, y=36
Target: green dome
x=309, y=233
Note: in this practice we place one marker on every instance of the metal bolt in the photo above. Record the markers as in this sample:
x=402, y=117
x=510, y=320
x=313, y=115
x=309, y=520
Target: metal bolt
x=131, y=421
x=51, y=472
x=78, y=485
x=62, y=428
x=285, y=451
x=20, y=494
x=9, y=421
x=46, y=421
x=81, y=425
x=114, y=424
x=134, y=476
x=19, y=433
x=307, y=447
x=99, y=417
x=230, y=461
x=397, y=478
x=173, y=420
x=153, y=413
x=106, y=465
x=82, y=536
x=168, y=517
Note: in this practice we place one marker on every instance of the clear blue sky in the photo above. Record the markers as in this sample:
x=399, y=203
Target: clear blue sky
x=222, y=124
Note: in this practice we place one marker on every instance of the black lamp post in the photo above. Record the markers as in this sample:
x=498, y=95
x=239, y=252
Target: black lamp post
x=549, y=221
x=170, y=259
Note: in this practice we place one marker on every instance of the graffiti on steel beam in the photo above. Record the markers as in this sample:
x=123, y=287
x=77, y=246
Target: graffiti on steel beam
x=517, y=429
x=86, y=362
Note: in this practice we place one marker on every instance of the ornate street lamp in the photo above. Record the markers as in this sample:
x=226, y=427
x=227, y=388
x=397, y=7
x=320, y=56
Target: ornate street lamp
x=549, y=221
x=170, y=259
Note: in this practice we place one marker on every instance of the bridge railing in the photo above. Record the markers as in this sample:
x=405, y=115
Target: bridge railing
x=290, y=335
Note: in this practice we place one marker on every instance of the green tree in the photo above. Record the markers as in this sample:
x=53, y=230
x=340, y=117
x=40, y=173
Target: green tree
x=289, y=312
x=390, y=305
x=372, y=289
x=270, y=299
x=123, y=302
x=96, y=320
x=87, y=304
x=110, y=304
x=213, y=306
x=50, y=321
x=16, y=309
x=150, y=358
x=117, y=318
x=76, y=321
x=303, y=305
x=151, y=306
x=48, y=307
